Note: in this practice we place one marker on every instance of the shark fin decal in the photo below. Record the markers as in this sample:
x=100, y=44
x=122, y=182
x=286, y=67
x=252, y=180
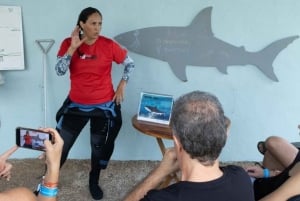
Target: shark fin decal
x=179, y=71
x=201, y=24
x=222, y=69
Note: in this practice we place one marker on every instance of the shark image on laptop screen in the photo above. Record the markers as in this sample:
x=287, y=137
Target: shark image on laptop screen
x=155, y=107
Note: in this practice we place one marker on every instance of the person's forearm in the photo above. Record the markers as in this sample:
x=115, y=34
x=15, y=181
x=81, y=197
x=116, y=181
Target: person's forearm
x=50, y=181
x=52, y=175
x=129, y=67
x=62, y=64
x=122, y=84
x=152, y=181
x=71, y=51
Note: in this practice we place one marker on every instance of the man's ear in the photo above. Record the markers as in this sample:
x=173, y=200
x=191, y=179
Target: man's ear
x=177, y=143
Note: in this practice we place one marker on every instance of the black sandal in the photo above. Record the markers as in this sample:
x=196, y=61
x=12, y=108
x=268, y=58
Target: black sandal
x=261, y=147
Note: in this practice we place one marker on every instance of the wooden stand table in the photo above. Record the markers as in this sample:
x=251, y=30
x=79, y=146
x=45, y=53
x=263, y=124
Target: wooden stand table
x=160, y=132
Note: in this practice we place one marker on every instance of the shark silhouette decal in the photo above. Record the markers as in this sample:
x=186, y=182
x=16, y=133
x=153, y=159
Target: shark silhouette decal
x=196, y=45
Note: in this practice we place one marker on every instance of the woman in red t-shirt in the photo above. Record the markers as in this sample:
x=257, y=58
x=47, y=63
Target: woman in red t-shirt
x=28, y=140
x=92, y=98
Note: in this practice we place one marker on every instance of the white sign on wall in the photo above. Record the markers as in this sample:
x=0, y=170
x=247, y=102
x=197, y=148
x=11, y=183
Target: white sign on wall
x=11, y=38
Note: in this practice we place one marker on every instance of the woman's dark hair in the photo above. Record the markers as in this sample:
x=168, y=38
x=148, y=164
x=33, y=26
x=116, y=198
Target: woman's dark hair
x=85, y=13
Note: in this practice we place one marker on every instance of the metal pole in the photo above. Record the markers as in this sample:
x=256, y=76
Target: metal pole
x=2, y=81
x=45, y=50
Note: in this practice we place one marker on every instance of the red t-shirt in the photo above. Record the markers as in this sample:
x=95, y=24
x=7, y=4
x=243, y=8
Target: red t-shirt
x=28, y=139
x=90, y=70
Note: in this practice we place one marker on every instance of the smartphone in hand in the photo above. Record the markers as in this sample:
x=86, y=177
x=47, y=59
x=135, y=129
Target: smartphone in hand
x=32, y=138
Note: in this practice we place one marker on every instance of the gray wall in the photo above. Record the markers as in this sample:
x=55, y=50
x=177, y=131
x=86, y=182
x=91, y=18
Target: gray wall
x=257, y=106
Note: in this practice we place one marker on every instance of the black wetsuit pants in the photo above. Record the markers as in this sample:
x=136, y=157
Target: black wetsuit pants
x=104, y=129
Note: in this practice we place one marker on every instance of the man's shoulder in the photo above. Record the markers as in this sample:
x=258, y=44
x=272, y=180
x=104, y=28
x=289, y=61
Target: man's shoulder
x=235, y=172
x=233, y=169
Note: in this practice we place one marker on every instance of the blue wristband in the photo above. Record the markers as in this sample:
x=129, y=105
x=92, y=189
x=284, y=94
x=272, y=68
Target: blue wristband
x=266, y=173
x=48, y=192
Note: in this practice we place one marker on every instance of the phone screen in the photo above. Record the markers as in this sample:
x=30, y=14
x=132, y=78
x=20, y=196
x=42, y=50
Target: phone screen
x=31, y=138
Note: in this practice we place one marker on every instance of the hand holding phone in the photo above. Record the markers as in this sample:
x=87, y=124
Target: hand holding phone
x=32, y=138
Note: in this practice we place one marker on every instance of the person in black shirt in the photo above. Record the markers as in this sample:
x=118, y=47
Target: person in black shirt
x=199, y=132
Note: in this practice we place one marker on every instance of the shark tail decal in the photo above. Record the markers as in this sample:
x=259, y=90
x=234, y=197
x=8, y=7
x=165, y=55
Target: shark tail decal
x=270, y=52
